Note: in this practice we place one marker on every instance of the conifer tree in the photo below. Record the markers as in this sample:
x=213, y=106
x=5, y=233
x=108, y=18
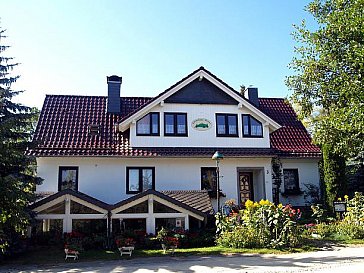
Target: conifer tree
x=17, y=170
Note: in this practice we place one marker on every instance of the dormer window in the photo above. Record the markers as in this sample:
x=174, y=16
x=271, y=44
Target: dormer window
x=175, y=124
x=148, y=125
x=227, y=125
x=93, y=129
x=252, y=127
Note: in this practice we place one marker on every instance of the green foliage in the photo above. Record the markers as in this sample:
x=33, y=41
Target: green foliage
x=312, y=194
x=318, y=213
x=17, y=170
x=328, y=82
x=334, y=175
x=353, y=223
x=276, y=177
x=260, y=224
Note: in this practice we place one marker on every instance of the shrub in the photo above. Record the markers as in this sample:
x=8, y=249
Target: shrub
x=353, y=223
x=260, y=224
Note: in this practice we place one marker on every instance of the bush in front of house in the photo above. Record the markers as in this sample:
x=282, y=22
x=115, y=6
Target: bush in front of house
x=78, y=241
x=260, y=224
x=352, y=225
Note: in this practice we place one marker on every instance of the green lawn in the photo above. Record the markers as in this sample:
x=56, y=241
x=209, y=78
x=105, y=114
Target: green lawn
x=55, y=255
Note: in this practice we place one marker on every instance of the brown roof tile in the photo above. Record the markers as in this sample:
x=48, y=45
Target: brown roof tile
x=64, y=121
x=197, y=199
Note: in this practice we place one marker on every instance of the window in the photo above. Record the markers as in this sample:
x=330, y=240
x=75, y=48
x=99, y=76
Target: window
x=227, y=125
x=175, y=124
x=139, y=179
x=148, y=125
x=93, y=129
x=252, y=127
x=291, y=182
x=208, y=178
x=68, y=178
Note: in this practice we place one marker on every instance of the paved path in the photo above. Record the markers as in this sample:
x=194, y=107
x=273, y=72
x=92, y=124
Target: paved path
x=343, y=260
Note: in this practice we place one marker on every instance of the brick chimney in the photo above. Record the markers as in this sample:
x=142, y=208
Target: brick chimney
x=113, y=94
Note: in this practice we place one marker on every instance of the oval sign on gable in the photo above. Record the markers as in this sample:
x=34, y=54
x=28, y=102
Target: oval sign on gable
x=201, y=124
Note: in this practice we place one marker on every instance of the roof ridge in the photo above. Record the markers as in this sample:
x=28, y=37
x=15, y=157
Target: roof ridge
x=271, y=98
x=96, y=96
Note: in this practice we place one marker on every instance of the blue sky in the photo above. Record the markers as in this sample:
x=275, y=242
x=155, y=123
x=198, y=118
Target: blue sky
x=69, y=47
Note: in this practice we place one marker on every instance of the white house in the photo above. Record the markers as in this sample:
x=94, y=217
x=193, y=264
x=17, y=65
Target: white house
x=141, y=163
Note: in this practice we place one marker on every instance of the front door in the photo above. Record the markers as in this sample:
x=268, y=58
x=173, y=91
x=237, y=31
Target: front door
x=245, y=187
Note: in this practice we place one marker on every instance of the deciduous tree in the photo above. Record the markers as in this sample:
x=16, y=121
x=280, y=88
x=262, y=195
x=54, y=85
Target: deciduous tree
x=328, y=83
x=329, y=71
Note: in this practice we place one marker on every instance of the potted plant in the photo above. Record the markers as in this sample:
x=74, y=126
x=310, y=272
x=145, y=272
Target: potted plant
x=169, y=243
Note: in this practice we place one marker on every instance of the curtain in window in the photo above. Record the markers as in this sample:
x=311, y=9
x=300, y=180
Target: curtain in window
x=256, y=127
x=221, y=125
x=232, y=125
x=169, y=122
x=143, y=125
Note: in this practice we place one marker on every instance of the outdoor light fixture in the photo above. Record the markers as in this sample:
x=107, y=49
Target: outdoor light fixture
x=217, y=156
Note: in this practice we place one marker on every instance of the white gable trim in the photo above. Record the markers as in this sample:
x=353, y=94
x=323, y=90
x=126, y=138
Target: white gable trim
x=124, y=125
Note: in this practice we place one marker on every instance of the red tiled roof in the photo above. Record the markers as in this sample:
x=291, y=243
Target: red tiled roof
x=63, y=131
x=292, y=139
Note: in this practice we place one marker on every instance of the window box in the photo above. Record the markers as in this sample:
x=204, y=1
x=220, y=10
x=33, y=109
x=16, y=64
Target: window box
x=292, y=192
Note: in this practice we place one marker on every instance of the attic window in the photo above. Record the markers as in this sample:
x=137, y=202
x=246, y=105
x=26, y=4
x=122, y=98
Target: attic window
x=94, y=129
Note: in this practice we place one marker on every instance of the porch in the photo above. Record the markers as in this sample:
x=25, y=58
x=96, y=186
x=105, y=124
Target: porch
x=146, y=212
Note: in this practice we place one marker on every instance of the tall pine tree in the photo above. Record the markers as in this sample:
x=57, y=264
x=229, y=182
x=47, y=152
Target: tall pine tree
x=17, y=170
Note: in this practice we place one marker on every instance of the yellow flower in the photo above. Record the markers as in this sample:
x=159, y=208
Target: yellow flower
x=280, y=206
x=339, y=199
x=264, y=202
x=346, y=197
x=249, y=204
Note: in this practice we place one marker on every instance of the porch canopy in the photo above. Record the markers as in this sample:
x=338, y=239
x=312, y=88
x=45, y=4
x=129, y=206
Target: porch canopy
x=69, y=206
x=176, y=208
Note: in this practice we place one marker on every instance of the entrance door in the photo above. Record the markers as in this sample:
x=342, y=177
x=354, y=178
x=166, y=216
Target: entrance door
x=245, y=187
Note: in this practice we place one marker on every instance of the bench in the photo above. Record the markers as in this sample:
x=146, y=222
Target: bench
x=71, y=254
x=127, y=250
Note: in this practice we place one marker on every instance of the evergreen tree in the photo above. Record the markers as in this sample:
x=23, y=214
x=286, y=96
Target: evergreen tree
x=334, y=173
x=17, y=170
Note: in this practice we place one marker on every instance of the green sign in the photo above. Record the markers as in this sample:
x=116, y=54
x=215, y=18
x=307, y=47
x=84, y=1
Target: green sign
x=201, y=124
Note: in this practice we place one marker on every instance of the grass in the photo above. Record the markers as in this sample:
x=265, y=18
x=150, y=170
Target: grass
x=55, y=255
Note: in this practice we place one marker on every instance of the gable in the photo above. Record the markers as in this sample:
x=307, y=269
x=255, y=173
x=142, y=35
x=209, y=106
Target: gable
x=214, y=84
x=201, y=91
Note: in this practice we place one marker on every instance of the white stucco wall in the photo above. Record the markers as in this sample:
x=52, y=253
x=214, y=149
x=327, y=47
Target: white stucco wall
x=104, y=178
x=308, y=173
x=195, y=111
